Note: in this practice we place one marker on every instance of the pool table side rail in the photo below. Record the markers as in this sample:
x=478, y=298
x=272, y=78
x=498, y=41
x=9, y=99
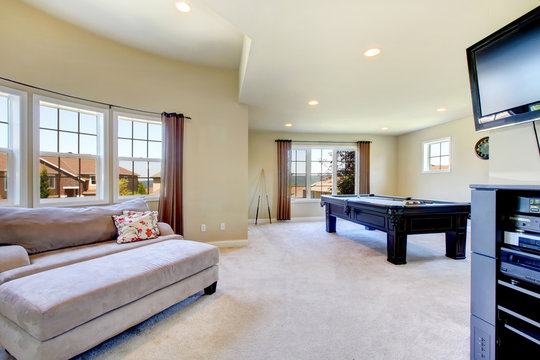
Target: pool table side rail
x=369, y=198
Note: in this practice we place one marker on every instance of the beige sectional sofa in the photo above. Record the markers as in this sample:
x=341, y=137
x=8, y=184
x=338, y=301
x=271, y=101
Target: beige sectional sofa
x=66, y=285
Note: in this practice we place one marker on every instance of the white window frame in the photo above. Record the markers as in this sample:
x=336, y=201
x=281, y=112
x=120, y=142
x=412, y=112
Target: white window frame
x=116, y=159
x=335, y=149
x=17, y=179
x=102, y=158
x=426, y=156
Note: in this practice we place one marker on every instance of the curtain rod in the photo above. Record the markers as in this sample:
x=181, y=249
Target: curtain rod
x=83, y=99
x=325, y=141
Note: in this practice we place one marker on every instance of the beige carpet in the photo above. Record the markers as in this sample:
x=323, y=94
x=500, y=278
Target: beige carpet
x=297, y=292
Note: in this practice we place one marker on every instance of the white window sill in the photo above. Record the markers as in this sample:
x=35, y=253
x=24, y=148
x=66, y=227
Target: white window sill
x=150, y=198
x=305, y=201
x=6, y=204
x=70, y=203
x=435, y=171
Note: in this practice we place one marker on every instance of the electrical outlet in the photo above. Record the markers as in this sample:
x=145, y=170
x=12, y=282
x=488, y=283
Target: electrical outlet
x=203, y=227
x=222, y=226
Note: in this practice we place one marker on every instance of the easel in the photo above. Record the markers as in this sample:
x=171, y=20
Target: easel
x=261, y=190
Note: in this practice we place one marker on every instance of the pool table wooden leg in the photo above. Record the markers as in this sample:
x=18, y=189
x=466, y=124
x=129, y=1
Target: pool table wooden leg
x=455, y=244
x=457, y=240
x=330, y=223
x=396, y=247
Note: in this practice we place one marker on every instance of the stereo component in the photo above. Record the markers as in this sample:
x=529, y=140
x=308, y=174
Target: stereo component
x=522, y=240
x=525, y=222
x=520, y=265
x=528, y=205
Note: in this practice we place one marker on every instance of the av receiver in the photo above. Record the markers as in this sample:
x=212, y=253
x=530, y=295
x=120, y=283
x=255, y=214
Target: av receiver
x=525, y=222
x=520, y=265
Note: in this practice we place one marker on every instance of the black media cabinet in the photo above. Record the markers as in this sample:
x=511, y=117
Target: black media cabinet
x=505, y=272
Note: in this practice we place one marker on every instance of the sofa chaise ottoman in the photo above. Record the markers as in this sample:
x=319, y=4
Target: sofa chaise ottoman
x=60, y=302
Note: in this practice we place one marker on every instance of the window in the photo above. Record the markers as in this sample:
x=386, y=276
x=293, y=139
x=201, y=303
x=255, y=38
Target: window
x=298, y=173
x=317, y=171
x=437, y=156
x=138, y=149
x=52, y=182
x=12, y=158
x=71, y=145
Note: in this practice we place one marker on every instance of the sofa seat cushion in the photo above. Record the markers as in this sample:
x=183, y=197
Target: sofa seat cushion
x=56, y=258
x=52, y=302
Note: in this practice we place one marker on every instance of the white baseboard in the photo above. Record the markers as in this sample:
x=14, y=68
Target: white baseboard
x=229, y=243
x=294, y=219
x=308, y=219
x=260, y=221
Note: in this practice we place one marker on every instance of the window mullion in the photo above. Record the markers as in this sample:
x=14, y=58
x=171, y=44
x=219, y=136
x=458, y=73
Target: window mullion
x=68, y=155
x=334, y=172
x=147, y=160
x=78, y=132
x=308, y=173
x=356, y=171
x=57, y=129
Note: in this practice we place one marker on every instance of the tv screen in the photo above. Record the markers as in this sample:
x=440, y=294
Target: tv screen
x=504, y=71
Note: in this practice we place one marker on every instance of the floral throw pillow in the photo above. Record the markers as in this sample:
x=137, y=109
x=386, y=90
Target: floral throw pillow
x=132, y=228
x=142, y=213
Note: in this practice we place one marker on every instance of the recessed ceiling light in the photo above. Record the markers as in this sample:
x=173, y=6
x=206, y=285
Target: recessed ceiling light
x=313, y=102
x=183, y=6
x=384, y=128
x=288, y=125
x=441, y=109
x=372, y=52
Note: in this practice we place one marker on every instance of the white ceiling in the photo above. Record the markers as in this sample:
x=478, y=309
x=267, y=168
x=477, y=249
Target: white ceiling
x=200, y=37
x=312, y=49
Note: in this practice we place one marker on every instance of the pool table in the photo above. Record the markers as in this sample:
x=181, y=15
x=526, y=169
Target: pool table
x=399, y=217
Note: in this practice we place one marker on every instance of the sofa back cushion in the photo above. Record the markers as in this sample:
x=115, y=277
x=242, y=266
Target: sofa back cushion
x=44, y=229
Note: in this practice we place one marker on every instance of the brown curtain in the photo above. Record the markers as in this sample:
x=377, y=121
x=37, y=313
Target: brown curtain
x=363, y=166
x=170, y=197
x=284, y=170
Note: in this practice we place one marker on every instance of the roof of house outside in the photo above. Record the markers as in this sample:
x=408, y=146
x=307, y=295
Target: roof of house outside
x=324, y=185
x=71, y=165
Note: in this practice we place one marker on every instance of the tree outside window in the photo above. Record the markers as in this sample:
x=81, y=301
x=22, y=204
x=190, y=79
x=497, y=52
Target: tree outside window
x=346, y=169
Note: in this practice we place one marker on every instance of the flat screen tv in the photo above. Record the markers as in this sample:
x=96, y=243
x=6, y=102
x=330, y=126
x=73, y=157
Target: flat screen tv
x=504, y=71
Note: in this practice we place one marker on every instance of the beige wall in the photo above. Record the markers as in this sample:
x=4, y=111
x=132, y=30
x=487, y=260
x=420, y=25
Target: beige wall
x=42, y=51
x=514, y=155
x=263, y=155
x=466, y=167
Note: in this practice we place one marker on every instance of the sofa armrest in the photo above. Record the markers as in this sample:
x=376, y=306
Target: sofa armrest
x=165, y=229
x=13, y=256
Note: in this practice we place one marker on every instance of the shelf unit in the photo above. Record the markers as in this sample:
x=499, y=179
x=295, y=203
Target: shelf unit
x=505, y=302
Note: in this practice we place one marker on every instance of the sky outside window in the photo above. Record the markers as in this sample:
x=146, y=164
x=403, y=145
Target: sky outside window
x=68, y=131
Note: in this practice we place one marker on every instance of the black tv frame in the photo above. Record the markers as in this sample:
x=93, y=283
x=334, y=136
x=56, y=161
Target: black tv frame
x=516, y=118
